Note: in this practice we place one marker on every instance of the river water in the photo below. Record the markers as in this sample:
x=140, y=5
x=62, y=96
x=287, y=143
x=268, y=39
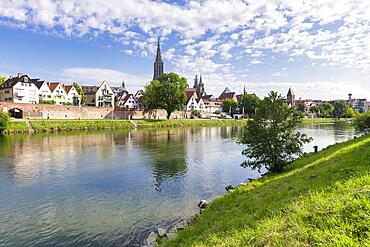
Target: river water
x=110, y=188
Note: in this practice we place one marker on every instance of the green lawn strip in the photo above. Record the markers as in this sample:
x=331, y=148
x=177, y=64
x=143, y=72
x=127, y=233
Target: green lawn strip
x=322, y=199
x=189, y=123
x=324, y=120
x=60, y=125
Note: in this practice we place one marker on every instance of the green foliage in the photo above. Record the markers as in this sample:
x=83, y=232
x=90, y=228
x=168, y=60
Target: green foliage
x=62, y=125
x=47, y=102
x=4, y=122
x=79, y=90
x=2, y=80
x=249, y=103
x=230, y=105
x=195, y=113
x=301, y=107
x=271, y=139
x=18, y=127
x=217, y=112
x=341, y=108
x=323, y=200
x=362, y=121
x=351, y=112
x=324, y=110
x=168, y=93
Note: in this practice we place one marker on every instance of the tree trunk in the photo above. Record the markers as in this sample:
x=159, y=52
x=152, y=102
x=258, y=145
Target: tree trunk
x=168, y=114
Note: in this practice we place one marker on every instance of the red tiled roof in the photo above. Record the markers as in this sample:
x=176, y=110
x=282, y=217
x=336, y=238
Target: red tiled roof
x=230, y=95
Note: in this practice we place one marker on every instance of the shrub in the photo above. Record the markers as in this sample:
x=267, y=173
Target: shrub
x=47, y=102
x=4, y=122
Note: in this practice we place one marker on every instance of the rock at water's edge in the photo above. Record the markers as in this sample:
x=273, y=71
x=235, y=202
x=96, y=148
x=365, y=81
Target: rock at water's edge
x=202, y=204
x=162, y=232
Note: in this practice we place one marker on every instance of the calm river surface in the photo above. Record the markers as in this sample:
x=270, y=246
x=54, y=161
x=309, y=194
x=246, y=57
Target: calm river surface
x=112, y=188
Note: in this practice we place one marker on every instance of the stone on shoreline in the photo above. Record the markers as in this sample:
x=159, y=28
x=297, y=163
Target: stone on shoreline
x=181, y=224
x=151, y=240
x=171, y=235
x=161, y=232
x=229, y=188
x=202, y=204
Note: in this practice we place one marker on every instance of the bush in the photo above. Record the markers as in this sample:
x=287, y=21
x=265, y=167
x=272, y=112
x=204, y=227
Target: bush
x=47, y=102
x=4, y=122
x=362, y=122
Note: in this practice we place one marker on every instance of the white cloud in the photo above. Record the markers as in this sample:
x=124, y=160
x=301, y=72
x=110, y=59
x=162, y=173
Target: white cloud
x=94, y=76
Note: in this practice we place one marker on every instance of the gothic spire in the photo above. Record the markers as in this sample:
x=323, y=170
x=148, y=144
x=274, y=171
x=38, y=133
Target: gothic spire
x=200, y=79
x=158, y=56
x=158, y=64
x=195, y=81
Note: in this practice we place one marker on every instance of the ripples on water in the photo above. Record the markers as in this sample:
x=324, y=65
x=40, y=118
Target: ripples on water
x=112, y=188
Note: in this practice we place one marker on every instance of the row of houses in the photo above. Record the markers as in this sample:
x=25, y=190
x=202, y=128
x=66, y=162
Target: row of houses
x=23, y=89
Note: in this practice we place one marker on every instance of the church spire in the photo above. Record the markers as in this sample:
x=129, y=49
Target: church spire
x=158, y=64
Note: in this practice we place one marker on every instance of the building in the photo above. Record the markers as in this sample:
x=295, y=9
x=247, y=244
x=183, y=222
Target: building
x=359, y=105
x=99, y=96
x=73, y=97
x=19, y=89
x=58, y=93
x=290, y=99
x=158, y=64
x=227, y=94
x=191, y=100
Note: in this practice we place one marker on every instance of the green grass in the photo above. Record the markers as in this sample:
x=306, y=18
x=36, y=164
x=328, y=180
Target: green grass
x=63, y=125
x=18, y=127
x=324, y=120
x=188, y=123
x=322, y=199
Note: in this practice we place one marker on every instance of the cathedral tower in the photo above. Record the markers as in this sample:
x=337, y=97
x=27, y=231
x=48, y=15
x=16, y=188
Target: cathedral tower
x=158, y=64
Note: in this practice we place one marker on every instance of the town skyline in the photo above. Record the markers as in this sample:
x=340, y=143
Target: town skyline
x=226, y=54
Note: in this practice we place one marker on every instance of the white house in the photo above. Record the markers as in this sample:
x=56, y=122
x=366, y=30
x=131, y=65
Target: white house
x=101, y=96
x=58, y=93
x=44, y=92
x=73, y=96
x=127, y=102
x=20, y=89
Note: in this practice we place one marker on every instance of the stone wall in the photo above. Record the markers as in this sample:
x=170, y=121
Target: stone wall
x=40, y=111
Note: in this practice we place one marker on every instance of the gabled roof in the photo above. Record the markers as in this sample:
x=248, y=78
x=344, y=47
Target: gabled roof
x=10, y=82
x=126, y=98
x=67, y=88
x=228, y=95
x=53, y=85
x=39, y=84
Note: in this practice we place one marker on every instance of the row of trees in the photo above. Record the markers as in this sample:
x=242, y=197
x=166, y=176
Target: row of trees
x=339, y=109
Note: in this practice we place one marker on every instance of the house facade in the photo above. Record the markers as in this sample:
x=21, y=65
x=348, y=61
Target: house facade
x=19, y=89
x=101, y=96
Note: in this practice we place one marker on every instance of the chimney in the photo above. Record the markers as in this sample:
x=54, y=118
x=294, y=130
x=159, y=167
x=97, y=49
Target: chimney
x=20, y=74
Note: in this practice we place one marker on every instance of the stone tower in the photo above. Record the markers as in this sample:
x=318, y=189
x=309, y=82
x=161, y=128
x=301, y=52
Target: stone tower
x=158, y=64
x=290, y=98
x=200, y=89
x=195, y=82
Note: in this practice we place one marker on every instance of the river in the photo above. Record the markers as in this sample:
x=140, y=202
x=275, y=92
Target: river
x=110, y=188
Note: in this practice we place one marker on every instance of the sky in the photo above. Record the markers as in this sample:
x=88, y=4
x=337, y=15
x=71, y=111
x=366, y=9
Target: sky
x=320, y=48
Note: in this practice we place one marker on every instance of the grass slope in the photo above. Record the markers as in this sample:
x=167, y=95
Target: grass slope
x=322, y=199
x=18, y=127
x=62, y=125
x=324, y=120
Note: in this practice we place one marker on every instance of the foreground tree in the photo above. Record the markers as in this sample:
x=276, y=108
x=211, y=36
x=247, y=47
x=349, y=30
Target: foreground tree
x=168, y=93
x=249, y=103
x=271, y=137
x=362, y=122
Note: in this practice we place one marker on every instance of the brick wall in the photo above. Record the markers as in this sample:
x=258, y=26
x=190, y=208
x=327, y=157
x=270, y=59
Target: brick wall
x=40, y=111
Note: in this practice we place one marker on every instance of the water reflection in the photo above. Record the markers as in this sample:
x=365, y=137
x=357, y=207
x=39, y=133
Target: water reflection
x=111, y=188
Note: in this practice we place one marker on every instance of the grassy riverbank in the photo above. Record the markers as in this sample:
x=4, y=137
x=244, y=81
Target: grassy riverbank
x=72, y=125
x=321, y=199
x=324, y=120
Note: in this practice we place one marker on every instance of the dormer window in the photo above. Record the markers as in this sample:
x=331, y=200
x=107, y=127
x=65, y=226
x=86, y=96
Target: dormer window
x=25, y=79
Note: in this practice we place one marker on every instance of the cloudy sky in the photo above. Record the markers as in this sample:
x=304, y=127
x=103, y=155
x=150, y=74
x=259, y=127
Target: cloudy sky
x=320, y=48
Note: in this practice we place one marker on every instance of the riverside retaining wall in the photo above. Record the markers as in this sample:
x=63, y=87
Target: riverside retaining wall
x=40, y=111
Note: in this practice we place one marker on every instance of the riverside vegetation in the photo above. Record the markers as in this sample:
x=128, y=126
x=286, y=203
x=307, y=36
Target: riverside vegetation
x=320, y=199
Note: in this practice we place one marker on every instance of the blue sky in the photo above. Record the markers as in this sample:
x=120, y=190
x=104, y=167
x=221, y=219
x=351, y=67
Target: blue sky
x=319, y=48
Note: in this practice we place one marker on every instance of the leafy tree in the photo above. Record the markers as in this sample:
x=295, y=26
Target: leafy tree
x=230, y=105
x=195, y=113
x=2, y=80
x=80, y=92
x=4, y=122
x=249, y=103
x=340, y=108
x=362, y=121
x=350, y=112
x=168, y=93
x=326, y=110
x=271, y=137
